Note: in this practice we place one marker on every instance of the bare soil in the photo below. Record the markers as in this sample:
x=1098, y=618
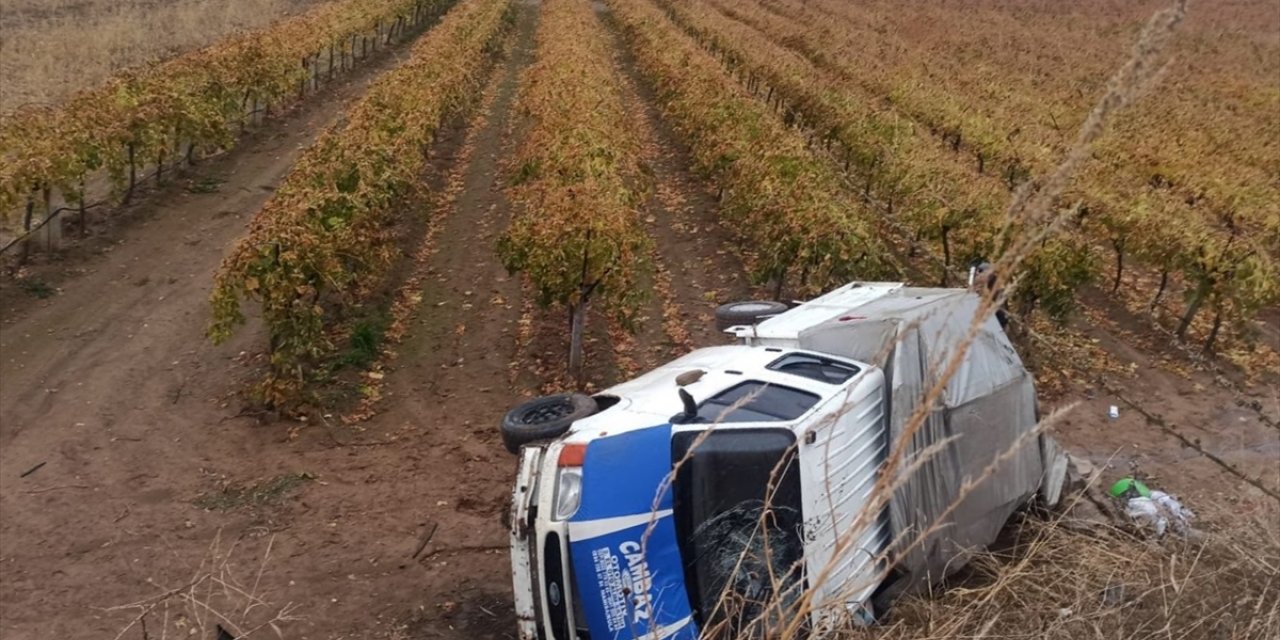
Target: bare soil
x=1229, y=419
x=392, y=528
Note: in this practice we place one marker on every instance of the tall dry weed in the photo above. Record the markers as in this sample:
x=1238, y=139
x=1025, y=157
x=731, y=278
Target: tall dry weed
x=1060, y=582
x=222, y=596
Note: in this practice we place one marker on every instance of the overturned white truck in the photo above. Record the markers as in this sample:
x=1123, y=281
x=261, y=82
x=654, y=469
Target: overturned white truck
x=778, y=443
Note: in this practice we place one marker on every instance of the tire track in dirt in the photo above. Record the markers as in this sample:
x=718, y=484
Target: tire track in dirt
x=113, y=386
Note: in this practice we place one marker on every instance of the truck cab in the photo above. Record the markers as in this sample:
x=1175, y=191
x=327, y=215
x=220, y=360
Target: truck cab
x=717, y=495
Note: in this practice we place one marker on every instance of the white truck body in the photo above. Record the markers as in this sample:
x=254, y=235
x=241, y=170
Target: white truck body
x=833, y=410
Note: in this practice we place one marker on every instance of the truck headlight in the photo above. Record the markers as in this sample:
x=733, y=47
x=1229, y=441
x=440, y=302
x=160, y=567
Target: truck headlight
x=568, y=494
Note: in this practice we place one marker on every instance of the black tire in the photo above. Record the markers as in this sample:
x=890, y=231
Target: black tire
x=746, y=312
x=544, y=418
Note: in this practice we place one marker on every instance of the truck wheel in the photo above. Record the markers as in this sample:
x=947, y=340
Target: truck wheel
x=747, y=312
x=544, y=418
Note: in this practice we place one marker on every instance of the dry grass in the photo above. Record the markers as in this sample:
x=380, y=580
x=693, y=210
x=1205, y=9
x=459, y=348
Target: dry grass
x=222, y=593
x=49, y=49
x=1059, y=582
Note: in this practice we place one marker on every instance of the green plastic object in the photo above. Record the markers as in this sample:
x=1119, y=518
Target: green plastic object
x=1126, y=486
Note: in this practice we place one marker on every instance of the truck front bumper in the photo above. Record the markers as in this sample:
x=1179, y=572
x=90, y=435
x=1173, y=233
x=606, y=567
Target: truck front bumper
x=541, y=571
x=524, y=502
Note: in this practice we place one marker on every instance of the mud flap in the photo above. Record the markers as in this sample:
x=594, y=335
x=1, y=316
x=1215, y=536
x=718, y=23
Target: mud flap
x=626, y=561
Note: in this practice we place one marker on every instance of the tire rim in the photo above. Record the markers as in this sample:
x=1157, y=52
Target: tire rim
x=548, y=413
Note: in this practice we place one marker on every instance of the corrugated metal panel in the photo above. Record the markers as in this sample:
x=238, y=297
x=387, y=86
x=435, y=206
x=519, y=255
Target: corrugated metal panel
x=839, y=468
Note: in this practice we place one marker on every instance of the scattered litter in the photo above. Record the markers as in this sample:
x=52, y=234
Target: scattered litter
x=1156, y=510
x=1113, y=412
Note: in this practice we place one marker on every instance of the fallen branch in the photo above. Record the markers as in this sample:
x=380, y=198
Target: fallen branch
x=425, y=539
x=32, y=470
x=466, y=549
x=59, y=487
x=148, y=605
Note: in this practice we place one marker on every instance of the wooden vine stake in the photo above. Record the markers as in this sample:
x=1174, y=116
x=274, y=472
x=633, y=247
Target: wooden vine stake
x=133, y=174
x=26, y=229
x=84, y=196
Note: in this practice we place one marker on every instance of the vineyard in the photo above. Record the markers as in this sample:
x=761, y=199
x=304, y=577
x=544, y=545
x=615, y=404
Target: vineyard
x=786, y=206
x=170, y=112
x=319, y=258
x=54, y=47
x=1224, y=248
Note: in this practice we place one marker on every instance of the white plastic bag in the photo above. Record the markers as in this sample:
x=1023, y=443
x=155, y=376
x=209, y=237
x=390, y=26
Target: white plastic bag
x=1178, y=516
x=1146, y=513
x=1160, y=511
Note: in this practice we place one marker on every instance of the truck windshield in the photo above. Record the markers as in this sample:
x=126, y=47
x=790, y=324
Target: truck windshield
x=740, y=537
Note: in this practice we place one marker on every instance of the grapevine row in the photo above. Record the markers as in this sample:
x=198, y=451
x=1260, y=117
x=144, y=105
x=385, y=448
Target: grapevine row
x=1166, y=162
x=577, y=234
x=788, y=207
x=325, y=242
x=1008, y=103
x=1228, y=261
x=900, y=169
x=145, y=115
x=1004, y=107
x=994, y=61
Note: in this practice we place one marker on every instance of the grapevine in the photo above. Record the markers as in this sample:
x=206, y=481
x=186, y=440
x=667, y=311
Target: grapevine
x=144, y=114
x=1228, y=249
x=577, y=234
x=899, y=168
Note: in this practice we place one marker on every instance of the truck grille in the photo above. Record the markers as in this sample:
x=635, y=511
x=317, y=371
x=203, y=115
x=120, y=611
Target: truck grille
x=557, y=588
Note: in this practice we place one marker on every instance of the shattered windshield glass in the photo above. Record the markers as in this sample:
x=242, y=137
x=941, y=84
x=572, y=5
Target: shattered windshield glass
x=740, y=537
